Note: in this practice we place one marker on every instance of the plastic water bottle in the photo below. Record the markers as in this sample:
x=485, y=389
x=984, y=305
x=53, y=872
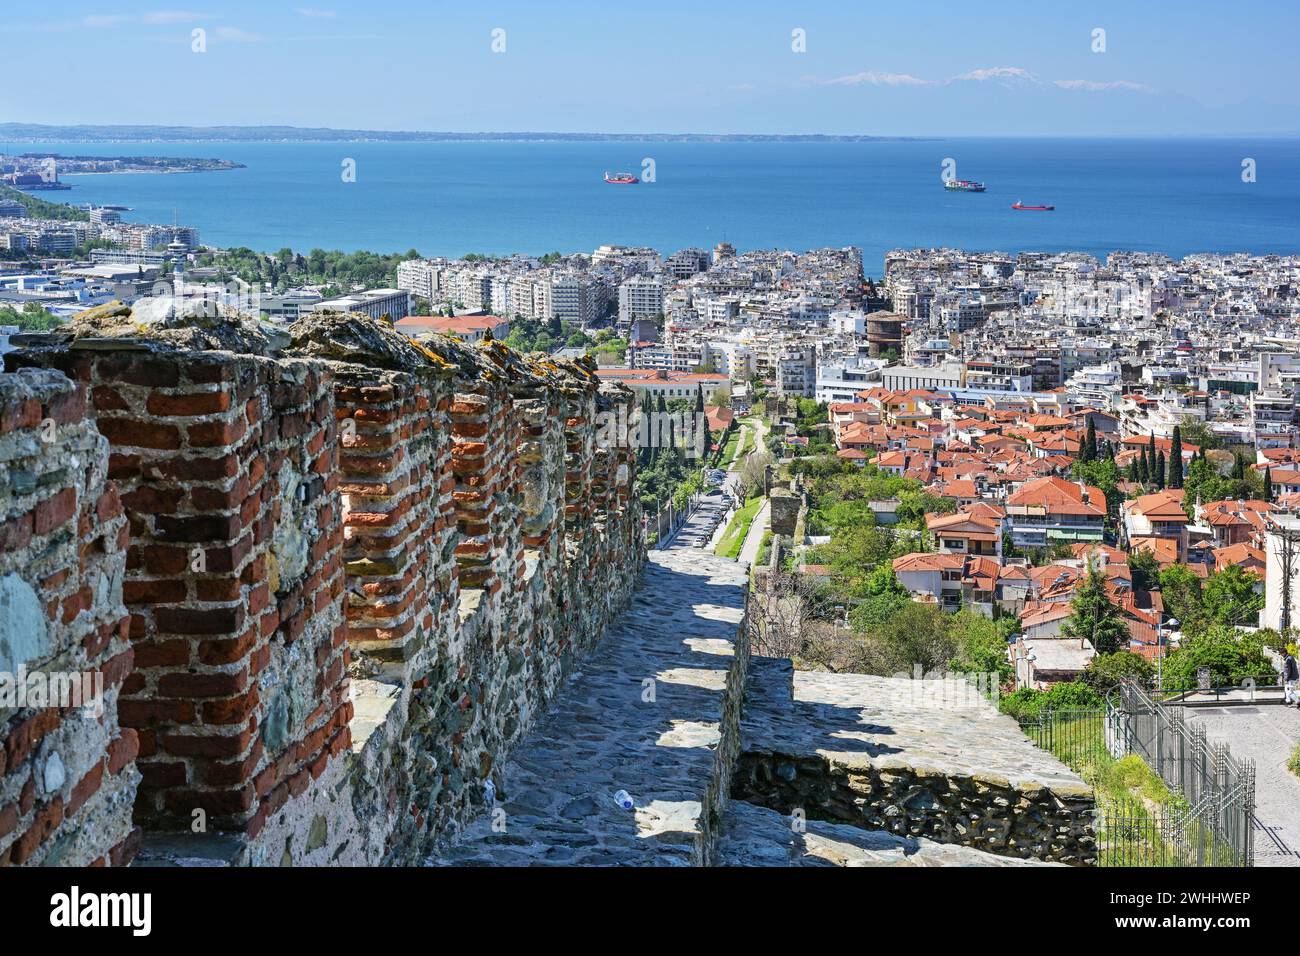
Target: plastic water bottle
x=624, y=799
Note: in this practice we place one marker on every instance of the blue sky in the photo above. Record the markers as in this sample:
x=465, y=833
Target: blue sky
x=897, y=68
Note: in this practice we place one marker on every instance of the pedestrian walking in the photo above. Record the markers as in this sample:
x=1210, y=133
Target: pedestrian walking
x=1290, y=674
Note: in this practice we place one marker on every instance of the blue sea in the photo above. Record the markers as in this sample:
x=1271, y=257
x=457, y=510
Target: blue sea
x=1176, y=196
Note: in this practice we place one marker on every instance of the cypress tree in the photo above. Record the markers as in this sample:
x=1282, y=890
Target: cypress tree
x=1176, y=459
x=1160, y=470
x=1090, y=442
x=1268, y=484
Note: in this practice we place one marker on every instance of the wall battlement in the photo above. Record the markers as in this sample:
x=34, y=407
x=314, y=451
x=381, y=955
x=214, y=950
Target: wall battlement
x=346, y=574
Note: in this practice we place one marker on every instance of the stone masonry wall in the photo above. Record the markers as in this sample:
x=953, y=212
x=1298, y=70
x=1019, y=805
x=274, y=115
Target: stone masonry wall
x=67, y=774
x=358, y=568
x=981, y=811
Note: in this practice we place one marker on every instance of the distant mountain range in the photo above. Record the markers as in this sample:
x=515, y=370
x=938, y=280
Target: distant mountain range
x=38, y=132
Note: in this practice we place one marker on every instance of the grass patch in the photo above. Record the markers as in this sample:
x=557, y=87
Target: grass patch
x=730, y=449
x=733, y=539
x=1294, y=763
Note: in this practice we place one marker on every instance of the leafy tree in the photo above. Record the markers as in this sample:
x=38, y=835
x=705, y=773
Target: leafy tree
x=882, y=598
x=917, y=634
x=1106, y=671
x=1094, y=618
x=982, y=644
x=1198, y=433
x=1230, y=597
x=1228, y=655
x=1146, y=570
x=34, y=317
x=1181, y=588
x=1029, y=703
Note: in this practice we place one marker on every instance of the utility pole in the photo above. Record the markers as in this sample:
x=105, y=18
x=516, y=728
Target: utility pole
x=1288, y=564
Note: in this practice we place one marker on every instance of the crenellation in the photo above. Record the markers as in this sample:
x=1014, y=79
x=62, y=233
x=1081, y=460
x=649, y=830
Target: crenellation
x=354, y=570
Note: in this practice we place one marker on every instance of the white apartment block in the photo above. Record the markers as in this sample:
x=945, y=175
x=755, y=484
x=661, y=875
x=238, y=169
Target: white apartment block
x=640, y=297
x=575, y=299
x=418, y=277
x=904, y=378
x=376, y=303
x=840, y=381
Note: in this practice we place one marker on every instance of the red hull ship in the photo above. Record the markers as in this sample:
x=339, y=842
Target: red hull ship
x=621, y=179
x=1021, y=206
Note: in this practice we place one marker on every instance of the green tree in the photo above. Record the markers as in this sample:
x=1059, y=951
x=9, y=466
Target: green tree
x=1176, y=459
x=1230, y=597
x=982, y=644
x=1089, y=452
x=1105, y=671
x=1094, y=618
x=34, y=317
x=882, y=598
x=1181, y=590
x=1231, y=657
x=1145, y=569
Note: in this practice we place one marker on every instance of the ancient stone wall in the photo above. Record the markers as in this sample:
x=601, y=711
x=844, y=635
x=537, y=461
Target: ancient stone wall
x=67, y=765
x=357, y=569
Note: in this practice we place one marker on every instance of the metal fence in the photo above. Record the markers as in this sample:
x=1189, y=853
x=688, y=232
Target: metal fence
x=1219, y=788
x=1209, y=820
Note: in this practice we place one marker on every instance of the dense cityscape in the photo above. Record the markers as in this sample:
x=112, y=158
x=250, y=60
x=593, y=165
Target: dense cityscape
x=755, y=491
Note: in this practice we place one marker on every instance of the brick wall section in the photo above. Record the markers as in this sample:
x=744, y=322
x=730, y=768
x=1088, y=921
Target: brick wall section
x=358, y=569
x=394, y=457
x=67, y=776
x=226, y=466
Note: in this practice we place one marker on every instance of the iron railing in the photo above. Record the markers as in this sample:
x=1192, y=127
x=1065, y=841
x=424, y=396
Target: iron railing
x=1209, y=821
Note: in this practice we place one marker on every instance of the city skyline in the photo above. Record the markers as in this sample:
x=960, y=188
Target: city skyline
x=1106, y=71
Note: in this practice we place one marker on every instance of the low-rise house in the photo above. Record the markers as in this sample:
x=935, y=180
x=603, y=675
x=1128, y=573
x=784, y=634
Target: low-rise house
x=1158, y=515
x=1042, y=662
x=1051, y=510
x=1244, y=556
x=950, y=581
x=1234, y=521
x=964, y=533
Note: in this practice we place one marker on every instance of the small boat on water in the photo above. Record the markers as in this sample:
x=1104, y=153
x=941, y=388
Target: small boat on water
x=964, y=185
x=1027, y=208
x=621, y=179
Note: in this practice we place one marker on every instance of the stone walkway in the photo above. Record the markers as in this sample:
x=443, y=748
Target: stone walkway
x=754, y=537
x=1266, y=735
x=603, y=735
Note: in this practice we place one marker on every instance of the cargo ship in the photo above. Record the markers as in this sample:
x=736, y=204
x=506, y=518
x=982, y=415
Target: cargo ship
x=964, y=185
x=621, y=179
x=1027, y=208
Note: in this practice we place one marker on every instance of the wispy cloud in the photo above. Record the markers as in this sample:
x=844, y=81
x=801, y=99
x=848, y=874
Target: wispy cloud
x=874, y=78
x=236, y=35
x=103, y=21
x=315, y=13
x=175, y=16
x=1092, y=86
x=107, y=21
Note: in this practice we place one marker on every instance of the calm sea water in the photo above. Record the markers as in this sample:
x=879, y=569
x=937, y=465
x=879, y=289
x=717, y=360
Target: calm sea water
x=1173, y=196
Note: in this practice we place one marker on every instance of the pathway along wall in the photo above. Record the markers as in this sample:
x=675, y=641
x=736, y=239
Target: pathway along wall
x=354, y=570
